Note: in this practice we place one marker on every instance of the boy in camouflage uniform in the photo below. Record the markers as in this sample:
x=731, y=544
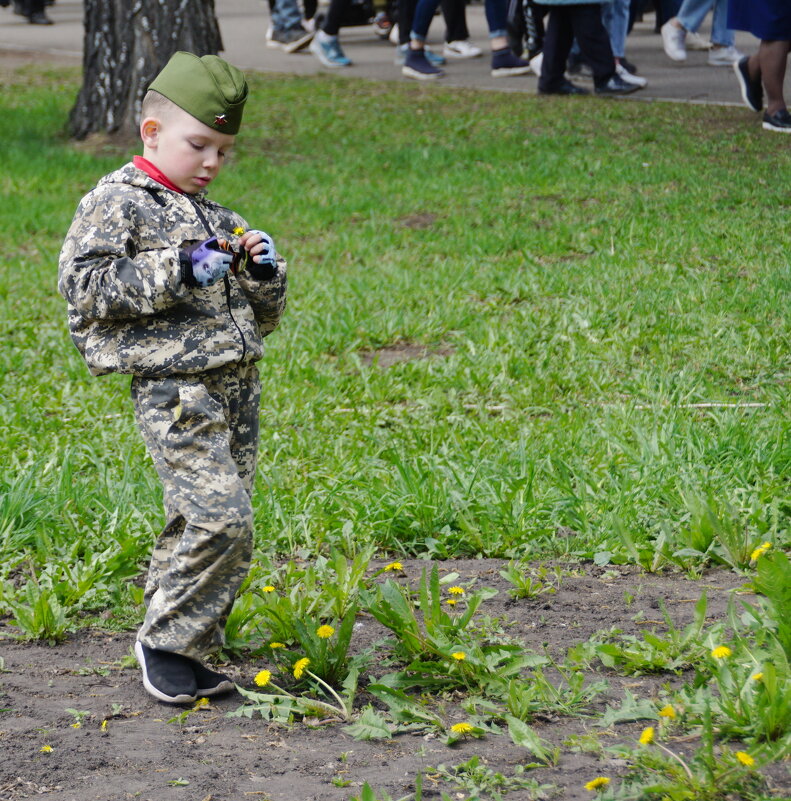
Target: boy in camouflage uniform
x=176, y=290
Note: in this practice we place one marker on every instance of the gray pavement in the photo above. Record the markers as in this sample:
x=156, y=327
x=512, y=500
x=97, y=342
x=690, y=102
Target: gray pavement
x=244, y=22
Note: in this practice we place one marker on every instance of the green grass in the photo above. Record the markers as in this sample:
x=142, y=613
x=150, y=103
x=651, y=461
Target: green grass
x=581, y=273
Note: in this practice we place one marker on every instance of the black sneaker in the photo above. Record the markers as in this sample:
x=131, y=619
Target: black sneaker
x=505, y=64
x=615, y=85
x=779, y=121
x=416, y=65
x=628, y=66
x=210, y=682
x=166, y=676
x=564, y=88
x=292, y=39
x=752, y=91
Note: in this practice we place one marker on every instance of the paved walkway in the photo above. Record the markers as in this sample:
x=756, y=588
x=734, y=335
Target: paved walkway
x=243, y=24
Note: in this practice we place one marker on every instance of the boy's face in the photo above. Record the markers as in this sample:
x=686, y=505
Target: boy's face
x=188, y=152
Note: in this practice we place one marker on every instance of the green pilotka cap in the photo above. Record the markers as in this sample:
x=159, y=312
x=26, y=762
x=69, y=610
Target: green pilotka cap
x=208, y=88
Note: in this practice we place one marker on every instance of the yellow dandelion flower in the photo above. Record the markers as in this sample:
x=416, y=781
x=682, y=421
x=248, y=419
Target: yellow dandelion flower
x=104, y=725
x=238, y=231
x=456, y=590
x=721, y=652
x=76, y=725
x=597, y=783
x=325, y=632
x=459, y=656
x=647, y=737
x=461, y=728
x=667, y=712
x=451, y=602
x=46, y=749
x=262, y=678
x=300, y=666
x=201, y=703
x=757, y=676
x=393, y=567
x=760, y=550
x=268, y=588
x=745, y=758
x=277, y=645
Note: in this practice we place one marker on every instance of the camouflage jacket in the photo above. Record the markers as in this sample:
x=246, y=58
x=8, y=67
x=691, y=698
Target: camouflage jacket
x=129, y=309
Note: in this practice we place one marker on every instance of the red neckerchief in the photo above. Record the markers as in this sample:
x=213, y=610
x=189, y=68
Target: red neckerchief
x=154, y=172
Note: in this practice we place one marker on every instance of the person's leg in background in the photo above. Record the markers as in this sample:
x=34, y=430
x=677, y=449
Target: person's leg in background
x=457, y=34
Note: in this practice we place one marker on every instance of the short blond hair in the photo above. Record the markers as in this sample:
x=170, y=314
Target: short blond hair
x=156, y=105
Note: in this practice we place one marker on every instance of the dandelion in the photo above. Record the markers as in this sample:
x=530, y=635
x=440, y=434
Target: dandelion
x=597, y=783
x=721, y=652
x=277, y=645
x=76, y=725
x=200, y=703
x=268, y=588
x=262, y=678
x=46, y=749
x=757, y=676
x=104, y=725
x=393, y=567
x=300, y=666
x=745, y=758
x=325, y=632
x=760, y=551
x=459, y=656
x=667, y=712
x=647, y=737
x=456, y=590
x=451, y=602
x=461, y=728
x=238, y=231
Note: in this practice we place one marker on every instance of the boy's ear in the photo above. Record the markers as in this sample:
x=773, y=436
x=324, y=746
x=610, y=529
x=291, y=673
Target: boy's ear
x=149, y=131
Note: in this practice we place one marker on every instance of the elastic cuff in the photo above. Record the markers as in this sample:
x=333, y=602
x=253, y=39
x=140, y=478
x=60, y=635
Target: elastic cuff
x=187, y=276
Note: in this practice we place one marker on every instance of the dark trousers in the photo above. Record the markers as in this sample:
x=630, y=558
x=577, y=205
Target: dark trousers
x=583, y=23
x=453, y=12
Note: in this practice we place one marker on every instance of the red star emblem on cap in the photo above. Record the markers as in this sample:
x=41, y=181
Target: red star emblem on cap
x=220, y=119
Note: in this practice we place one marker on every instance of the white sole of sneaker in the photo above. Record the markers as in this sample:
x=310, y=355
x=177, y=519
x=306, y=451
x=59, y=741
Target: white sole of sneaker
x=511, y=71
x=767, y=126
x=459, y=56
x=420, y=76
x=294, y=47
x=182, y=698
x=222, y=688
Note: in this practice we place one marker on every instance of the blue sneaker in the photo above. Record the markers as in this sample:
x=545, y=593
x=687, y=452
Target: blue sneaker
x=329, y=52
x=432, y=57
x=417, y=66
x=505, y=63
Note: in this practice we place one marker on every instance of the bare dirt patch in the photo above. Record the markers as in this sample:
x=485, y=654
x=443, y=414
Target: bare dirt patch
x=216, y=758
x=400, y=352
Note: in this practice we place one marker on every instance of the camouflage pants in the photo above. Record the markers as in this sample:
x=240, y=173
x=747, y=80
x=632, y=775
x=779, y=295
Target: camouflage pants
x=202, y=433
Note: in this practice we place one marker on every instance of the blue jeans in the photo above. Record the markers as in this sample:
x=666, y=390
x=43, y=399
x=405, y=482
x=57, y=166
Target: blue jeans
x=692, y=13
x=285, y=15
x=496, y=18
x=615, y=17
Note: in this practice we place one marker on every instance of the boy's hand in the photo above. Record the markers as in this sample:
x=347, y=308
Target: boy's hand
x=260, y=247
x=206, y=263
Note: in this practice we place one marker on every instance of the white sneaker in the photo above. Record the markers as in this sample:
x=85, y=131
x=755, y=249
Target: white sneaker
x=627, y=77
x=394, y=37
x=696, y=42
x=270, y=42
x=673, y=41
x=724, y=56
x=462, y=48
x=536, y=62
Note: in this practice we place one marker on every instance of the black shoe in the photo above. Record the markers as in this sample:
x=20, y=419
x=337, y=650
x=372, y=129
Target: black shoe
x=210, y=682
x=779, y=121
x=293, y=39
x=752, y=90
x=615, y=85
x=505, y=63
x=39, y=18
x=628, y=66
x=166, y=676
x=564, y=88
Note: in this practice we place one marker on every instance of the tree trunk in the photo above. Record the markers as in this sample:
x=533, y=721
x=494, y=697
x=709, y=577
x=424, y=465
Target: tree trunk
x=127, y=42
